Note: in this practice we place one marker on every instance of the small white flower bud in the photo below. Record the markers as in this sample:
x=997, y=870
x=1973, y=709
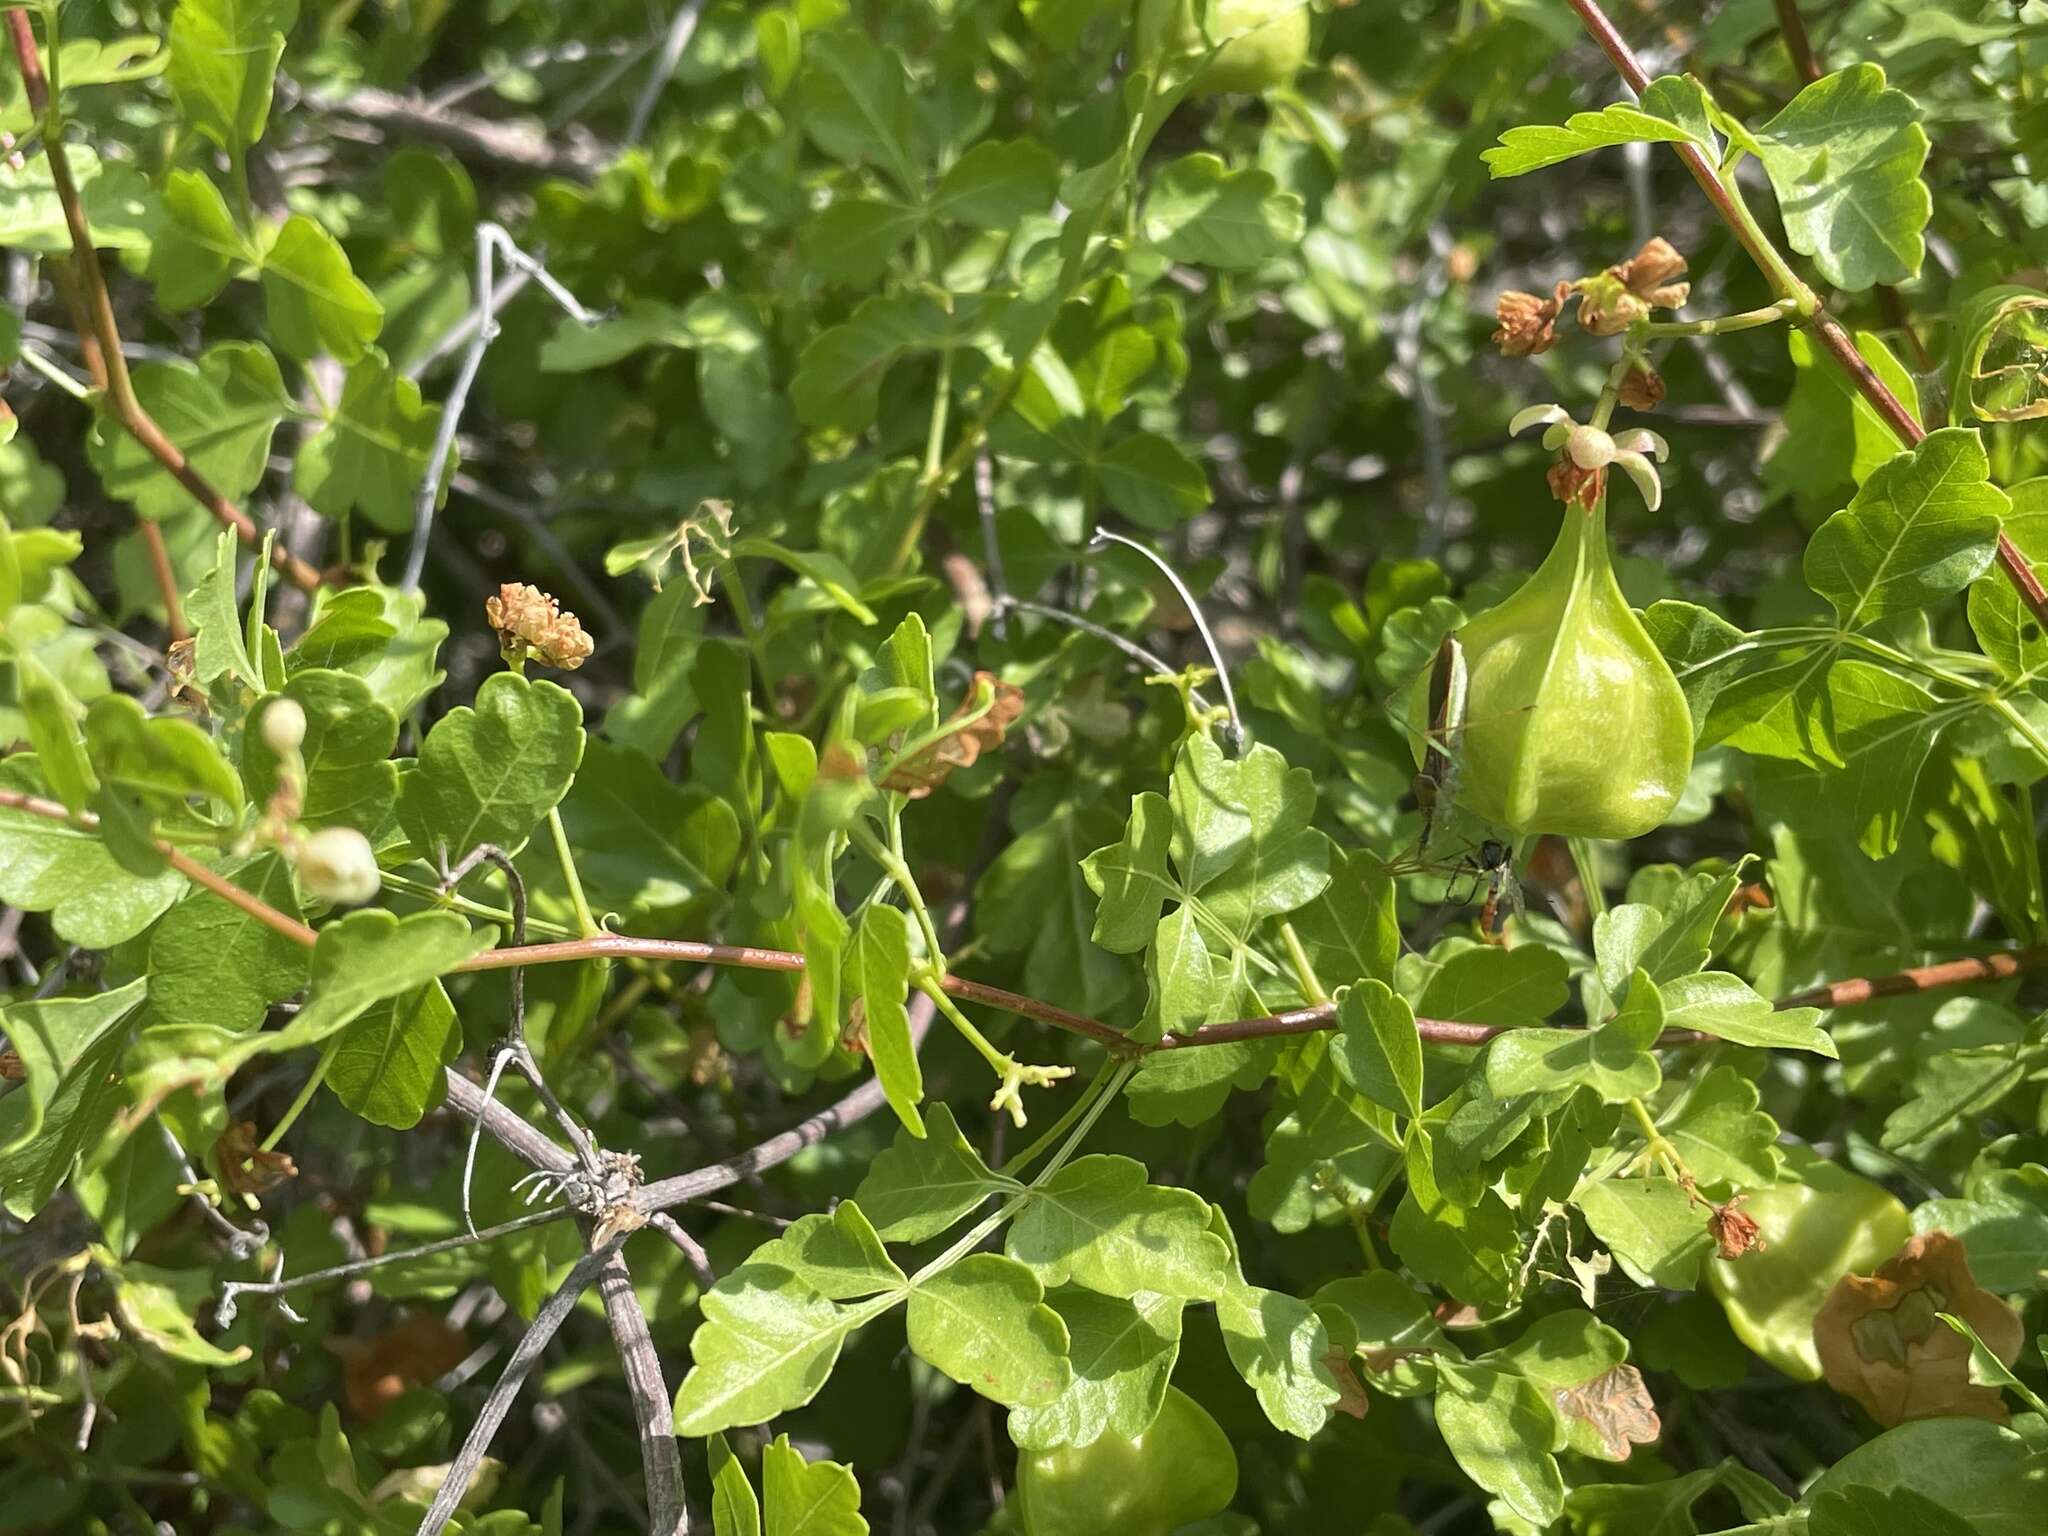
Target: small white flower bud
x=284, y=727
x=1590, y=448
x=337, y=864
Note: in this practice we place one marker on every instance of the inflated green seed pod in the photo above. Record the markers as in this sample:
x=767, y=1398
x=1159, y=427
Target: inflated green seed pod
x=1573, y=723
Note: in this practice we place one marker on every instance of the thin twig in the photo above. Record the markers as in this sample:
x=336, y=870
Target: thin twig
x=991, y=546
x=1104, y=535
x=1150, y=659
x=673, y=46
x=122, y=402
x=243, y=1242
x=546, y=1324
x=572, y=152
x=667, y=1511
x=492, y=246
x=692, y=1251
x=1835, y=341
x=231, y=1291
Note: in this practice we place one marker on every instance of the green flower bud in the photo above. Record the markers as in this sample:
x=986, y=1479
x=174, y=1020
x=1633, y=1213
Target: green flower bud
x=1574, y=724
x=337, y=864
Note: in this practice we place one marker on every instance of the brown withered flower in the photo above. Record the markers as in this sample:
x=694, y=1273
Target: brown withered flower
x=245, y=1168
x=11, y=1068
x=1575, y=486
x=1642, y=388
x=1881, y=1342
x=1734, y=1231
x=1528, y=324
x=990, y=709
x=1615, y=299
x=531, y=623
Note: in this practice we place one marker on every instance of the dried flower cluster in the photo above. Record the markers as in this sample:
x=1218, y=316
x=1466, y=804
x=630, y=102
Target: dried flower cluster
x=531, y=623
x=1609, y=303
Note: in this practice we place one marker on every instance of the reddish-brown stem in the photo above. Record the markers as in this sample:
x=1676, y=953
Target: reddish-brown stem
x=1828, y=332
x=1299, y=1021
x=178, y=859
x=1792, y=28
x=121, y=399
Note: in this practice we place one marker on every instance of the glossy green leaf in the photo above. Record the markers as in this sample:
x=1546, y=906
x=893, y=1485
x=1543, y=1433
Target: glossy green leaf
x=880, y=959
x=388, y=1062
x=919, y=1187
x=983, y=1321
x=68, y=1048
x=1198, y=210
x=55, y=867
x=223, y=65
x=1502, y=1427
x=371, y=453
x=489, y=773
x=313, y=300
x=1281, y=1348
x=1098, y=1223
x=1615, y=1059
x=808, y=1498
x=1844, y=158
x=1377, y=1048
x=1924, y=526
x=1673, y=110
x=643, y=842
x=766, y=1345
x=1121, y=1353
x=1728, y=1007
x=350, y=780
x=220, y=413
x=734, y=1509
x=212, y=963
x=198, y=245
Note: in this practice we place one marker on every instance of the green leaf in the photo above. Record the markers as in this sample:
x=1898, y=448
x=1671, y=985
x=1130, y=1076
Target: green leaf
x=1673, y=111
x=1099, y=1224
x=1971, y=1468
x=1281, y=1348
x=53, y=731
x=1834, y=437
x=1501, y=1428
x=157, y=1306
x=2005, y=627
x=371, y=454
x=854, y=239
x=350, y=780
x=488, y=774
x=1198, y=210
x=921, y=1186
x=983, y=1321
x=313, y=299
x=1472, y=1250
x=198, y=245
x=879, y=965
x=1844, y=157
x=576, y=348
x=2002, y=1220
x=387, y=1063
x=380, y=635
x=163, y=757
x=1950, y=1088
x=1033, y=903
x=1923, y=526
x=1152, y=482
x=1721, y=1134
x=1485, y=984
x=120, y=207
x=1121, y=1354
x=1241, y=844
x=1615, y=1059
x=766, y=1345
x=997, y=185
x=213, y=611
x=734, y=1511
x=838, y=1255
x=1728, y=1007
x=1333, y=1150
x=223, y=64
x=220, y=414
x=839, y=376
x=644, y=843
x=1352, y=931
x=827, y=571
x=69, y=1048
x=809, y=1498
x=55, y=867
x=360, y=960
x=854, y=102
x=1377, y=1048
x=1656, y=1233
x=212, y=963
x=1661, y=1508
